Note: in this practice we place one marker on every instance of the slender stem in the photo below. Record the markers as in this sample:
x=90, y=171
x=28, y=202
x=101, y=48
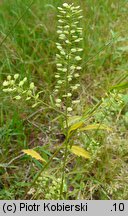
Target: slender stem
x=66, y=119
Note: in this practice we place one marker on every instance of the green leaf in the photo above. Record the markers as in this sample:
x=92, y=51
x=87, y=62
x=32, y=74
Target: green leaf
x=80, y=152
x=72, y=120
x=75, y=126
x=95, y=127
x=120, y=86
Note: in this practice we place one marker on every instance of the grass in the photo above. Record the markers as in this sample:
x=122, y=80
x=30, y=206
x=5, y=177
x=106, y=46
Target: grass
x=29, y=49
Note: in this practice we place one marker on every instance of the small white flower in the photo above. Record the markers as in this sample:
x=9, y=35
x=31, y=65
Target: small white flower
x=75, y=101
x=16, y=76
x=66, y=32
x=80, y=17
x=78, y=40
x=18, y=97
x=79, y=49
x=64, y=69
x=59, y=32
x=60, y=16
x=72, y=67
x=60, y=8
x=59, y=47
x=78, y=68
x=77, y=7
x=76, y=75
x=62, y=35
x=69, y=76
x=69, y=109
x=68, y=42
x=25, y=79
x=31, y=191
x=57, y=76
x=75, y=87
x=58, y=65
x=59, y=27
x=10, y=89
x=73, y=50
x=5, y=83
x=21, y=83
x=62, y=53
x=56, y=90
x=32, y=86
x=78, y=58
x=60, y=69
x=64, y=96
x=72, y=31
x=69, y=95
x=9, y=77
x=5, y=90
x=79, y=11
x=59, y=81
x=70, y=79
x=64, y=12
x=60, y=21
x=67, y=27
x=65, y=5
x=58, y=44
x=58, y=100
x=58, y=104
x=68, y=56
x=74, y=36
x=57, y=87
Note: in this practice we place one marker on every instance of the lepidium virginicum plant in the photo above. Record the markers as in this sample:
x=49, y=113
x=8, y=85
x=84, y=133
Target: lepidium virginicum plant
x=68, y=61
x=65, y=94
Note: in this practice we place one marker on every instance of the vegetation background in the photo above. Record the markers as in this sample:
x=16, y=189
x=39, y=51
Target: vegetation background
x=27, y=46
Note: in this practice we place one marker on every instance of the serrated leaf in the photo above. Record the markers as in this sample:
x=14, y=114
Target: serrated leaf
x=95, y=127
x=80, y=152
x=75, y=126
x=33, y=154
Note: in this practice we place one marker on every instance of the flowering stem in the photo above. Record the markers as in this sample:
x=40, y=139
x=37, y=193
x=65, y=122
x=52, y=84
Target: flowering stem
x=66, y=121
x=67, y=67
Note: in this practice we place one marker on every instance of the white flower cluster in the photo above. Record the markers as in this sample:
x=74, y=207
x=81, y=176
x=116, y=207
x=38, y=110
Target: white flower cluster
x=47, y=187
x=19, y=89
x=69, y=54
